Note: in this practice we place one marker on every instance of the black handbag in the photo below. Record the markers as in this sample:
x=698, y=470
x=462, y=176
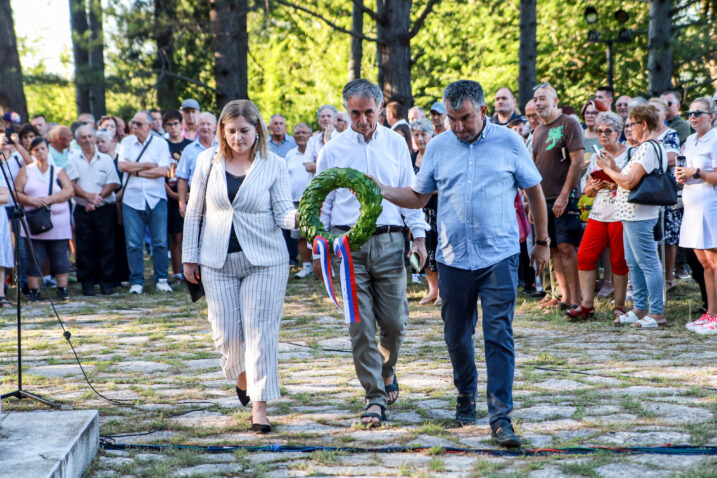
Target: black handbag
x=40, y=220
x=656, y=188
x=196, y=291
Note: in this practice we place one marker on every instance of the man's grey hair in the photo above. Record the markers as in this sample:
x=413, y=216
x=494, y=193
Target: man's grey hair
x=457, y=92
x=277, y=115
x=104, y=134
x=212, y=116
x=327, y=107
x=362, y=89
x=608, y=117
x=636, y=101
x=423, y=124
x=302, y=124
x=147, y=115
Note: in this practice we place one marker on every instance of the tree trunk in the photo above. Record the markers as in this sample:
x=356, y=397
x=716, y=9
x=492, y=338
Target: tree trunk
x=164, y=19
x=80, y=36
x=12, y=96
x=527, y=53
x=356, y=43
x=659, y=57
x=394, y=50
x=230, y=42
x=97, y=60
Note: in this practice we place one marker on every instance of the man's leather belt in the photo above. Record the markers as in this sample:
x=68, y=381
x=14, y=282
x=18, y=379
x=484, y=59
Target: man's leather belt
x=379, y=229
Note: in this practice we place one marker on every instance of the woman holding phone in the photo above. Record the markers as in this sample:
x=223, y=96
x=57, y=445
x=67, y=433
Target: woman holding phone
x=602, y=229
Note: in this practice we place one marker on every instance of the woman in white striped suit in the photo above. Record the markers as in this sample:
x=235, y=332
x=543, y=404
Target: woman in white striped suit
x=242, y=251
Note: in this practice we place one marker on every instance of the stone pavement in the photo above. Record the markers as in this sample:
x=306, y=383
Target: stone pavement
x=588, y=384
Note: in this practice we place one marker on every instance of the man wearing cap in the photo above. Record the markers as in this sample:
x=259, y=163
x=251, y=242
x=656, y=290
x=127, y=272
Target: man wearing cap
x=504, y=107
x=145, y=158
x=94, y=179
x=280, y=143
x=190, y=111
x=438, y=117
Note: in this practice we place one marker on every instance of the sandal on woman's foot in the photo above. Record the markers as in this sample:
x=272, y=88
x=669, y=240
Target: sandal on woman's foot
x=379, y=417
x=426, y=300
x=580, y=312
x=549, y=303
x=438, y=302
x=626, y=319
x=4, y=302
x=617, y=312
x=392, y=387
x=646, y=322
x=243, y=397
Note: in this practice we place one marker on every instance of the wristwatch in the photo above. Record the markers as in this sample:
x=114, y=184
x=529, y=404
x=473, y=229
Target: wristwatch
x=697, y=174
x=545, y=243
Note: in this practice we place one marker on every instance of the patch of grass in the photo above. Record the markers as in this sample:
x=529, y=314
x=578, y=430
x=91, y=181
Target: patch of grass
x=326, y=457
x=436, y=450
x=437, y=464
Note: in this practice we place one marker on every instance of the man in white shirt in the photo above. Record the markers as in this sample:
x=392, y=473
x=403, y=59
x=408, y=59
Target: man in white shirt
x=395, y=114
x=342, y=121
x=327, y=122
x=300, y=178
x=144, y=158
x=94, y=179
x=380, y=275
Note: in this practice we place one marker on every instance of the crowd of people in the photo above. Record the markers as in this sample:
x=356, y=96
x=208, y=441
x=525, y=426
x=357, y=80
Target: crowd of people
x=481, y=207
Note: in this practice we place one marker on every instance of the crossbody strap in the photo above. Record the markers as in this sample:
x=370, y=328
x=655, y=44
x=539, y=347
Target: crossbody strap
x=137, y=161
x=204, y=208
x=52, y=174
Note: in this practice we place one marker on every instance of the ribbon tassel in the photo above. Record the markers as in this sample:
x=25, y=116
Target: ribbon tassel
x=348, y=277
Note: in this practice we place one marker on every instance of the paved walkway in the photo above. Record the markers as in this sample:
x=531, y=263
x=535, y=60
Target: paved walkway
x=576, y=384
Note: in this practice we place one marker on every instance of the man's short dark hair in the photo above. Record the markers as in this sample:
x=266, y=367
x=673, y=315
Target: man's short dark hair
x=39, y=116
x=27, y=129
x=397, y=109
x=506, y=88
x=74, y=126
x=607, y=89
x=672, y=93
x=154, y=110
x=457, y=92
x=170, y=115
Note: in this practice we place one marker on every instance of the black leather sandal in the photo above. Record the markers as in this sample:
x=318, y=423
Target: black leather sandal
x=381, y=417
x=392, y=387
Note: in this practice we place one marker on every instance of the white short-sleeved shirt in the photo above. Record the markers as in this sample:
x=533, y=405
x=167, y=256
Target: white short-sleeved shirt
x=141, y=191
x=646, y=155
x=92, y=175
x=603, y=208
x=299, y=177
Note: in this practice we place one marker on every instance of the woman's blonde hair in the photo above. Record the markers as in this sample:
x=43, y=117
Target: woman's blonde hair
x=247, y=110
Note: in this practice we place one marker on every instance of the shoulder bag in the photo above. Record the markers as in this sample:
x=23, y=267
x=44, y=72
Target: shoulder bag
x=196, y=291
x=657, y=188
x=40, y=220
x=120, y=191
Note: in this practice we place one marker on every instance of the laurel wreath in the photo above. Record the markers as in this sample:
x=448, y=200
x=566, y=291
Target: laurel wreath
x=365, y=190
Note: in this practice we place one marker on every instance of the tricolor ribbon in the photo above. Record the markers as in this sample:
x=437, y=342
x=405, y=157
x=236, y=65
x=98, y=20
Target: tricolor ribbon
x=348, y=277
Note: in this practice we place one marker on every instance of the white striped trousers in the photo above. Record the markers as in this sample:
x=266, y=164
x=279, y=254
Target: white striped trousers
x=245, y=303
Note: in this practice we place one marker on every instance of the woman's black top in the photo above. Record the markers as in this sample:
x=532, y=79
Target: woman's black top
x=233, y=184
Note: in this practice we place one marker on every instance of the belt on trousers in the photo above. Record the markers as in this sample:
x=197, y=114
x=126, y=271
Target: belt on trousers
x=379, y=229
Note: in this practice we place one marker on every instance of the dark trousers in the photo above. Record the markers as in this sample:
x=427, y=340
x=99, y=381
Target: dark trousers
x=698, y=273
x=95, y=244
x=460, y=289
x=526, y=273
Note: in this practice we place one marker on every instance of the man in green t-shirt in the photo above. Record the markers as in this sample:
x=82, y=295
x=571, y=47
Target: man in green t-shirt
x=674, y=120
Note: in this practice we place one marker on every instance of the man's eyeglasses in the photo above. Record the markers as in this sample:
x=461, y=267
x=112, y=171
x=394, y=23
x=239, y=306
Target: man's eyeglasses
x=137, y=124
x=541, y=85
x=696, y=114
x=606, y=131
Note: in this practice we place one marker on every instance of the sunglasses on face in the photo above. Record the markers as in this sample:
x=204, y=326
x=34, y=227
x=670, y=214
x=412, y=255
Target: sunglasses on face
x=607, y=131
x=696, y=114
x=541, y=85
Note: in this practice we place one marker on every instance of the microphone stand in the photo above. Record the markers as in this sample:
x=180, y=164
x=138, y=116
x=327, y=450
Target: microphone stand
x=17, y=221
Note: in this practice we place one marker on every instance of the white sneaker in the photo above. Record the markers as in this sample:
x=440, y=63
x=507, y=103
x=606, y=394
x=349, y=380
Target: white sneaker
x=304, y=272
x=708, y=328
x=163, y=286
x=135, y=289
x=416, y=278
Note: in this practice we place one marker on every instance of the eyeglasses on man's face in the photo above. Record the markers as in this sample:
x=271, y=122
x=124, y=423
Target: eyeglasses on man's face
x=137, y=124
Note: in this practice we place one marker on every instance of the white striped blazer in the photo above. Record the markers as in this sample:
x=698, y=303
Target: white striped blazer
x=262, y=206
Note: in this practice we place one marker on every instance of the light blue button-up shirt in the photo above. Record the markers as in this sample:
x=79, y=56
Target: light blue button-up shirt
x=286, y=145
x=476, y=183
x=188, y=161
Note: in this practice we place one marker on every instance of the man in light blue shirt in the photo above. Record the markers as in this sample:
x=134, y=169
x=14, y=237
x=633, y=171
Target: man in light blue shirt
x=206, y=130
x=477, y=168
x=280, y=143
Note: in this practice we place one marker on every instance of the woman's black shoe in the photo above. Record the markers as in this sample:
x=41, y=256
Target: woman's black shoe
x=260, y=428
x=244, y=398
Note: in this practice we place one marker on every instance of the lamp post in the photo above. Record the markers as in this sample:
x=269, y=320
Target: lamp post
x=624, y=35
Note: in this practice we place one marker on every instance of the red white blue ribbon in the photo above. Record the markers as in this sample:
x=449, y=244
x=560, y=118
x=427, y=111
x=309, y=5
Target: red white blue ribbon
x=348, y=277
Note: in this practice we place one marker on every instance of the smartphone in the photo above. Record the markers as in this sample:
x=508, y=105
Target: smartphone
x=681, y=160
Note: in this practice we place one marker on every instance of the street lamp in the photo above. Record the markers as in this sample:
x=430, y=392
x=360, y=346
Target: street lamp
x=624, y=35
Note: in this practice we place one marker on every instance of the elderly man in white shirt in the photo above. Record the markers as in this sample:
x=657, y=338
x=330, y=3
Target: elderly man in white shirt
x=327, y=115
x=300, y=178
x=145, y=158
x=379, y=266
x=94, y=179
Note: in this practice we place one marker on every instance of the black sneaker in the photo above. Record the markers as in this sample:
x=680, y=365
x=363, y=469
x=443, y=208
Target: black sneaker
x=33, y=295
x=106, y=290
x=466, y=410
x=503, y=433
x=63, y=294
x=88, y=289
